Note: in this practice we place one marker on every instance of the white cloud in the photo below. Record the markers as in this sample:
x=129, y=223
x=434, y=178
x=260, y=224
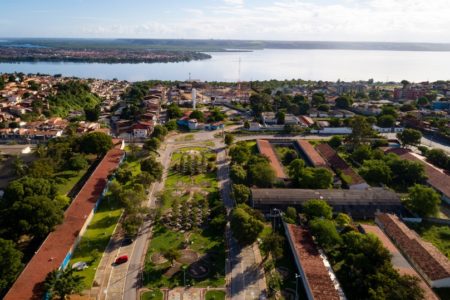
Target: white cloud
x=361, y=20
x=234, y=2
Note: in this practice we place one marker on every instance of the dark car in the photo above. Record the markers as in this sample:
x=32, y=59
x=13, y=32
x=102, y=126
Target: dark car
x=127, y=241
x=121, y=259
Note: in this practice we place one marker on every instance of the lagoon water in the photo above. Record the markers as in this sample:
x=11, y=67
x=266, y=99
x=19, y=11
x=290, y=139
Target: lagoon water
x=266, y=64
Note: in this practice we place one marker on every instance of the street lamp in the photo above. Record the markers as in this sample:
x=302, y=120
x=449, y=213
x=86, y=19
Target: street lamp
x=296, y=285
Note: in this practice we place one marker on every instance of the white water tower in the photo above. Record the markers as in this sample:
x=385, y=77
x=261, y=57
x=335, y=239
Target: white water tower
x=194, y=98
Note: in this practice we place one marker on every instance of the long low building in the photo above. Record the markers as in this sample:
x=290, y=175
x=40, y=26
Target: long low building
x=357, y=203
x=313, y=157
x=355, y=181
x=316, y=273
x=266, y=149
x=57, y=249
x=436, y=178
x=426, y=259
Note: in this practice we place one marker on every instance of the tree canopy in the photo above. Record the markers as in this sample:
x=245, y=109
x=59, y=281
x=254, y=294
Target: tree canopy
x=409, y=137
x=423, y=200
x=63, y=282
x=245, y=227
x=10, y=264
x=317, y=208
x=95, y=143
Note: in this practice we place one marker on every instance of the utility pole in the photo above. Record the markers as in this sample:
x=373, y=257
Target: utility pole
x=296, y=285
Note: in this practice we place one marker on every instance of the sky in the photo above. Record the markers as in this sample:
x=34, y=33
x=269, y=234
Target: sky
x=313, y=20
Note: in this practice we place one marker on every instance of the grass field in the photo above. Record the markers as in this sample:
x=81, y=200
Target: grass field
x=438, y=235
x=215, y=295
x=95, y=239
x=70, y=178
x=152, y=295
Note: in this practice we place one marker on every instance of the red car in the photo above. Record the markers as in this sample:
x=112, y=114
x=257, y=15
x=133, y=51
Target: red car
x=121, y=259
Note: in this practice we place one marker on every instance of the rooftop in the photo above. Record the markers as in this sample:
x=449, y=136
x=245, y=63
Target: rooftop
x=58, y=243
x=377, y=196
x=337, y=163
x=266, y=149
x=313, y=156
x=320, y=281
x=425, y=256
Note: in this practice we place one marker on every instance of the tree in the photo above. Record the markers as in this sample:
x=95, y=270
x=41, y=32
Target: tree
x=34, y=215
x=376, y=172
x=153, y=167
x=335, y=141
x=438, y=158
x=171, y=125
x=241, y=193
x=238, y=174
x=361, y=153
x=424, y=201
x=2, y=83
x=152, y=144
x=386, y=121
x=198, y=115
x=317, y=208
x=261, y=174
x=41, y=168
x=171, y=254
x=78, y=162
x=131, y=223
x=289, y=156
x=10, y=264
x=273, y=244
x=291, y=215
x=159, y=132
x=342, y=220
x=240, y=153
x=229, y=139
x=244, y=226
x=409, y=137
x=95, y=143
x=315, y=178
x=344, y=102
x=405, y=172
x=280, y=117
x=361, y=130
x=295, y=170
x=63, y=282
x=174, y=111
x=28, y=186
x=19, y=166
x=422, y=101
x=92, y=113
x=326, y=233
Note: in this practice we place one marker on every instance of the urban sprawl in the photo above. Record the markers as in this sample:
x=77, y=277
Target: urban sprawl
x=213, y=190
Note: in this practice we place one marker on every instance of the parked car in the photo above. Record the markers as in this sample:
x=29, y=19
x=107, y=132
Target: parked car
x=121, y=259
x=127, y=241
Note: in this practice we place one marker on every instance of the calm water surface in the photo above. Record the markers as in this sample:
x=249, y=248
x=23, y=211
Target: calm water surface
x=267, y=64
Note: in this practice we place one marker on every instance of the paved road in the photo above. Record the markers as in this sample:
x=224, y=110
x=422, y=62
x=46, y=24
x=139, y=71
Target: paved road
x=244, y=273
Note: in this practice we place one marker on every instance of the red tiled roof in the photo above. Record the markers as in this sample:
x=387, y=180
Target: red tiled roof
x=437, y=179
x=265, y=148
x=58, y=243
x=313, y=156
x=337, y=163
x=425, y=256
x=312, y=264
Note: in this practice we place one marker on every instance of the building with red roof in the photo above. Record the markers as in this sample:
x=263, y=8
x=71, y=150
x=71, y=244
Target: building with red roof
x=316, y=273
x=266, y=149
x=57, y=249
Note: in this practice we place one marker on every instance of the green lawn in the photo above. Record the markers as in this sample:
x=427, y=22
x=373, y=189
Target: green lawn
x=96, y=238
x=69, y=178
x=438, y=235
x=215, y=295
x=152, y=295
x=202, y=240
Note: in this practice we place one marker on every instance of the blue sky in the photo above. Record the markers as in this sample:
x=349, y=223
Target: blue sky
x=353, y=20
